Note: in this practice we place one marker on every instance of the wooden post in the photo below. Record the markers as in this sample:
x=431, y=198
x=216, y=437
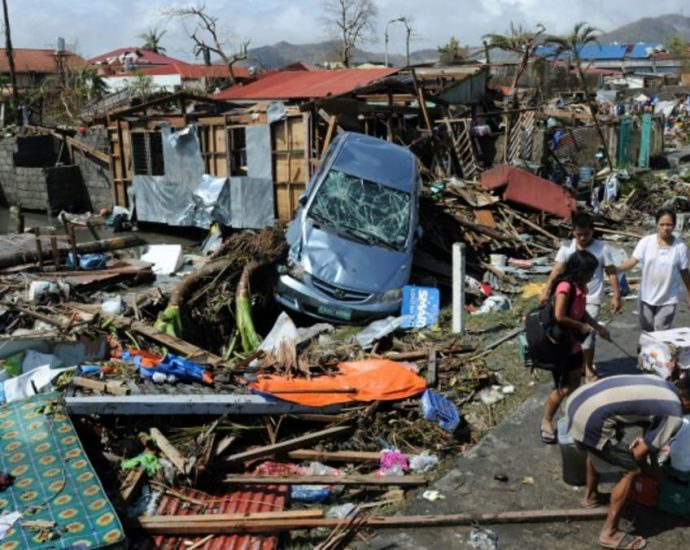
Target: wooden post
x=39, y=249
x=56, y=252
x=73, y=244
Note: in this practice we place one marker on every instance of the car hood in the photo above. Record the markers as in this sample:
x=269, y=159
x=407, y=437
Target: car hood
x=343, y=262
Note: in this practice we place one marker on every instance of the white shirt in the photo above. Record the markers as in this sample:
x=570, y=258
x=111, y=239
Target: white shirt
x=661, y=269
x=595, y=287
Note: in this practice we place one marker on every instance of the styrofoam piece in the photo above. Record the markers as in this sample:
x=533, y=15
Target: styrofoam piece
x=676, y=337
x=166, y=258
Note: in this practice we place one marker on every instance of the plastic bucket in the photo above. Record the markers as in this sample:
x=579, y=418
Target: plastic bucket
x=573, y=458
x=498, y=260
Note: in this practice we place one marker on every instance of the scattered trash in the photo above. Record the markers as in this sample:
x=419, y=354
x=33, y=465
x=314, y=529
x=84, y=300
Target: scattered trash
x=377, y=330
x=393, y=462
x=437, y=408
x=432, y=495
x=423, y=462
x=483, y=539
x=495, y=302
x=492, y=395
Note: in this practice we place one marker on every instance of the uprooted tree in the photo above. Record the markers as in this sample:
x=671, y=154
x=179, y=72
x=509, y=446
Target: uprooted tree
x=208, y=36
x=351, y=22
x=571, y=44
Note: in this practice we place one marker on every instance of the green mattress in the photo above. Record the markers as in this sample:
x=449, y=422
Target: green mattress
x=53, y=480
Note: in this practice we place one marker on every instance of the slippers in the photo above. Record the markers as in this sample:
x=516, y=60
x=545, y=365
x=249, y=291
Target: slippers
x=546, y=437
x=627, y=542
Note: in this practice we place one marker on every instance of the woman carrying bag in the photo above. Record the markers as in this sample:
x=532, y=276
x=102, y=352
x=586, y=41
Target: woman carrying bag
x=572, y=325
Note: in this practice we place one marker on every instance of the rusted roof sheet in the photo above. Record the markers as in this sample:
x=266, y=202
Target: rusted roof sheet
x=527, y=189
x=250, y=499
x=305, y=84
x=29, y=60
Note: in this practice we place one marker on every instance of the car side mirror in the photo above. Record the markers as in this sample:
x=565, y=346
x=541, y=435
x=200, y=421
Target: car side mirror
x=302, y=199
x=419, y=232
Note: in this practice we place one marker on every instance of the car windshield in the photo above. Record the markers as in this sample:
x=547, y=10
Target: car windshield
x=363, y=209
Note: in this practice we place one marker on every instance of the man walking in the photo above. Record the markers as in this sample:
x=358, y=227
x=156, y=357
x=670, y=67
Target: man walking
x=599, y=415
x=583, y=239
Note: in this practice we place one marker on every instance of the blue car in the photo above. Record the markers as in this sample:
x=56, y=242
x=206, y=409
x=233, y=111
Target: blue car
x=351, y=241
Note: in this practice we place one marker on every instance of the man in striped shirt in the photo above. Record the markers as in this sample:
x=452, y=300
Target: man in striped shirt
x=598, y=416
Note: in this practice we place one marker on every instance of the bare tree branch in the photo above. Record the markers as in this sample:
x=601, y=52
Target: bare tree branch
x=208, y=37
x=352, y=21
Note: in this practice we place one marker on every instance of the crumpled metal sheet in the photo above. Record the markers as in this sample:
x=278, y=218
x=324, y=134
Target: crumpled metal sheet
x=165, y=199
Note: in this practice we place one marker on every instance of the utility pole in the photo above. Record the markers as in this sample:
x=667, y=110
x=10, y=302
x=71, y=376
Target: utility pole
x=10, y=56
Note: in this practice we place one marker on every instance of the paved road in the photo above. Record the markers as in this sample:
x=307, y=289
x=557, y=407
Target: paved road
x=513, y=449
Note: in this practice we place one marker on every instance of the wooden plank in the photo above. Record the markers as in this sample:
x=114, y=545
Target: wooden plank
x=168, y=449
x=329, y=134
x=131, y=484
x=334, y=456
x=350, y=479
x=391, y=522
x=152, y=521
x=113, y=388
x=289, y=444
x=484, y=217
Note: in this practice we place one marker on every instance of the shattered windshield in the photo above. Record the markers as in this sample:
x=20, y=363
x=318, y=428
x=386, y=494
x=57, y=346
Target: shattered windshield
x=365, y=210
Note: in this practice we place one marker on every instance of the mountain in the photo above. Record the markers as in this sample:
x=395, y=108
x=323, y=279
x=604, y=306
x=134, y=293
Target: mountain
x=284, y=53
x=650, y=29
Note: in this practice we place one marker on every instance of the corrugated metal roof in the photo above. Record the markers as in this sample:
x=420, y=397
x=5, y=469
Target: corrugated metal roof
x=603, y=51
x=644, y=50
x=28, y=60
x=305, y=84
x=144, y=57
x=249, y=499
x=191, y=71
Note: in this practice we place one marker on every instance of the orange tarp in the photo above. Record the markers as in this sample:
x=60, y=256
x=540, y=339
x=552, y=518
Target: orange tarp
x=370, y=380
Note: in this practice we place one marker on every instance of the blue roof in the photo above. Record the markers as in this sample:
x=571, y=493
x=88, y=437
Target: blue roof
x=642, y=50
x=603, y=51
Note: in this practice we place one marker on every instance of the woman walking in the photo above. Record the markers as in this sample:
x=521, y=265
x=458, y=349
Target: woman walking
x=569, y=297
x=664, y=262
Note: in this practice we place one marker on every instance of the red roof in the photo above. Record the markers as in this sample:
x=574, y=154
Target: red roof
x=139, y=56
x=244, y=500
x=28, y=60
x=191, y=71
x=305, y=84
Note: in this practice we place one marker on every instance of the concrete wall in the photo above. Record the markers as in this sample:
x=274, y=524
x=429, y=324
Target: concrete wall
x=7, y=175
x=84, y=185
x=96, y=174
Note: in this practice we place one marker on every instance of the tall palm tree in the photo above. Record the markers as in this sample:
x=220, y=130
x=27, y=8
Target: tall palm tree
x=517, y=40
x=152, y=40
x=572, y=44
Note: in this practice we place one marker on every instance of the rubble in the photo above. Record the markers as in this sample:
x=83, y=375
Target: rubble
x=206, y=413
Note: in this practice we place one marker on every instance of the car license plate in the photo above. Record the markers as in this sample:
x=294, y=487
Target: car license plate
x=336, y=313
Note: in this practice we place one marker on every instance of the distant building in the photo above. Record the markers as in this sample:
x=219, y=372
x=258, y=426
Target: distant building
x=33, y=66
x=119, y=67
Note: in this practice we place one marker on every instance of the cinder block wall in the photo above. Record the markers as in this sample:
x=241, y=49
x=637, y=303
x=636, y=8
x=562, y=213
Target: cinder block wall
x=32, y=192
x=28, y=186
x=7, y=175
x=96, y=174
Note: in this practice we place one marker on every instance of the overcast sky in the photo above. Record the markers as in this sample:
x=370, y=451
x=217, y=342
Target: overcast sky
x=93, y=27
